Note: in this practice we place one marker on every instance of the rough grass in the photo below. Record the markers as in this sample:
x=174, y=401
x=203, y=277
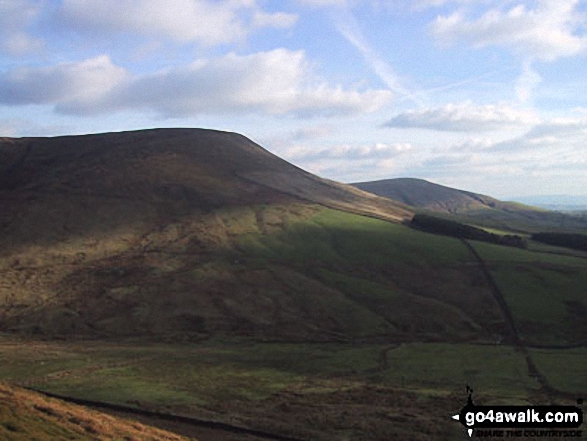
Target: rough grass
x=26, y=416
x=545, y=292
x=392, y=275
x=215, y=371
x=333, y=236
x=290, y=271
x=362, y=239
x=318, y=391
x=565, y=369
x=498, y=373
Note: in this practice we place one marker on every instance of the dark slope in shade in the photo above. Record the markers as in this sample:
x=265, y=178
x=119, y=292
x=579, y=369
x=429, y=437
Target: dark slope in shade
x=173, y=169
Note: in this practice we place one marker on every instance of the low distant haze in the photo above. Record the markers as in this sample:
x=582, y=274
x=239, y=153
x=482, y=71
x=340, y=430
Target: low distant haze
x=488, y=96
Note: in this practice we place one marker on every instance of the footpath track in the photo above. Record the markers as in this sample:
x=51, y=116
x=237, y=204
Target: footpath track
x=203, y=430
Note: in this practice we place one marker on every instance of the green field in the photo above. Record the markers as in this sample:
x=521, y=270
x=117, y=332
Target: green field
x=392, y=276
x=244, y=382
x=545, y=292
x=565, y=369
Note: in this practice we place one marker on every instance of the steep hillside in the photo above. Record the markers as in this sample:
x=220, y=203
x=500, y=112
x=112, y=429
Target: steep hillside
x=191, y=233
x=468, y=206
x=135, y=232
x=173, y=170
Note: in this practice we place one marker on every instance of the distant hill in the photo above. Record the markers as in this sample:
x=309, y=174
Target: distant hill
x=469, y=206
x=423, y=194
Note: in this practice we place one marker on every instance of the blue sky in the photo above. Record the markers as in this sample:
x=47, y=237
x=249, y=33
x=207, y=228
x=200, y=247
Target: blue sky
x=484, y=95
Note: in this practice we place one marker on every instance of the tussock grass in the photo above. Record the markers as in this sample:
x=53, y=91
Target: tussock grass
x=26, y=416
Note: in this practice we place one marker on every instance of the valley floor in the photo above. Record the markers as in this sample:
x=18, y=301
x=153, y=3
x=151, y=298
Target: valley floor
x=320, y=391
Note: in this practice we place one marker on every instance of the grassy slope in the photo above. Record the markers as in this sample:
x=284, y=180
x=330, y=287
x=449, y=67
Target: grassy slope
x=400, y=275
x=302, y=273
x=272, y=270
x=400, y=283
x=188, y=233
x=26, y=416
x=545, y=292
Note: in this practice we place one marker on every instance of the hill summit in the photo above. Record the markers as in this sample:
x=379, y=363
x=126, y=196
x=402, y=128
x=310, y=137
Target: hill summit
x=143, y=232
x=423, y=194
x=470, y=207
x=204, y=169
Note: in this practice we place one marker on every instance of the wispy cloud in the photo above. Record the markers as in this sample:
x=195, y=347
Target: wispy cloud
x=464, y=117
x=551, y=150
x=322, y=3
x=377, y=150
x=347, y=25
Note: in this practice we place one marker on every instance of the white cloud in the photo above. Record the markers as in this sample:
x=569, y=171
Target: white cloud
x=263, y=19
x=423, y=4
x=552, y=149
x=204, y=21
x=375, y=151
x=388, y=4
x=472, y=145
x=527, y=82
x=351, y=162
x=277, y=82
x=311, y=132
x=20, y=43
x=465, y=117
x=547, y=30
x=15, y=18
x=569, y=134
x=16, y=127
x=378, y=149
x=322, y=3
x=67, y=85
